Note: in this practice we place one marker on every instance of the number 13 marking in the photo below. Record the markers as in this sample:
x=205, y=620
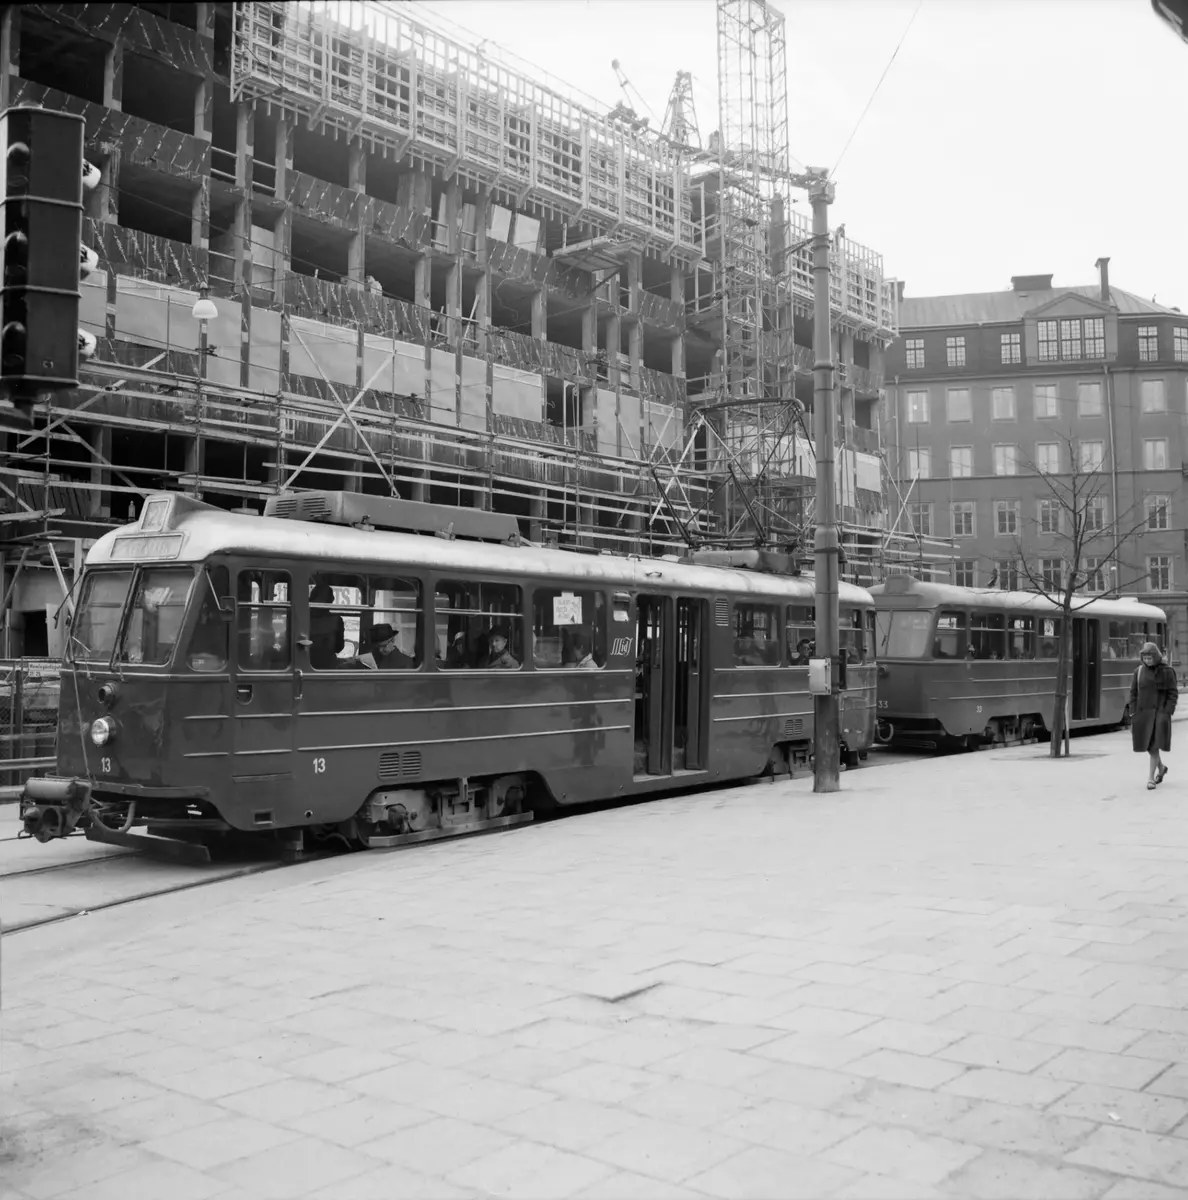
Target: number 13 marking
x=319, y=766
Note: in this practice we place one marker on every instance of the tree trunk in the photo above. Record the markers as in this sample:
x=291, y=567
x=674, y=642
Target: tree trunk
x=1060, y=732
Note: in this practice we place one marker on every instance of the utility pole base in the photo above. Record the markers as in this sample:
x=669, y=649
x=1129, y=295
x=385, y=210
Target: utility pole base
x=826, y=744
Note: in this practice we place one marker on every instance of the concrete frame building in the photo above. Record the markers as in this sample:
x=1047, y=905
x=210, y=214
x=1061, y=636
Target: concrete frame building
x=988, y=390
x=434, y=276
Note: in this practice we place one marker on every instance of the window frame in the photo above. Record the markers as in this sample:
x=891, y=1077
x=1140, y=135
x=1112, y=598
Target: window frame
x=1094, y=567
x=1051, y=576
x=1093, y=337
x=950, y=393
x=913, y=350
x=966, y=473
x=592, y=634
x=1010, y=460
x=1158, y=405
x=1082, y=386
x=1047, y=341
x=1051, y=391
x=963, y=567
x=1010, y=349
x=1180, y=343
x=1091, y=463
x=922, y=455
x=916, y=394
x=1070, y=338
x=243, y=664
x=955, y=350
x=963, y=508
x=768, y=646
x=1042, y=450
x=1007, y=570
x=917, y=510
x=1148, y=456
x=995, y=393
x=1004, y=509
x=1165, y=564
x=1151, y=507
x=1148, y=343
x=1048, y=505
x=514, y=618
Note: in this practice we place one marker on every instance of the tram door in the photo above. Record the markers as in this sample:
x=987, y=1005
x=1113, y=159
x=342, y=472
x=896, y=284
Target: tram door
x=691, y=686
x=1086, y=697
x=653, y=686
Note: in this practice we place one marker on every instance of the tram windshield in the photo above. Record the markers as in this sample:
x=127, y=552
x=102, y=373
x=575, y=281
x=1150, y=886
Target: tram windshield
x=156, y=615
x=903, y=634
x=96, y=622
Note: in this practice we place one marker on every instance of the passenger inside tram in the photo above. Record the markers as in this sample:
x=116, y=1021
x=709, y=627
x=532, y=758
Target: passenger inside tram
x=498, y=657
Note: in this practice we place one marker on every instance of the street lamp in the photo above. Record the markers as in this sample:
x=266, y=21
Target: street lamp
x=204, y=311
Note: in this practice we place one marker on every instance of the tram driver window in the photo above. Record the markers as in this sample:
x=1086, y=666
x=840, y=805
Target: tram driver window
x=800, y=622
x=479, y=626
x=209, y=642
x=263, y=629
x=987, y=636
x=904, y=634
x=568, y=629
x=756, y=635
x=949, y=641
x=1020, y=637
x=155, y=618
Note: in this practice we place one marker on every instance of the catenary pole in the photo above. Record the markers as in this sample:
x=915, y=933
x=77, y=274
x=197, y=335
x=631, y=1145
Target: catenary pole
x=826, y=722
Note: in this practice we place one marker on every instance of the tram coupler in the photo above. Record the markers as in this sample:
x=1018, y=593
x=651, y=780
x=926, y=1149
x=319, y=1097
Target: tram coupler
x=54, y=808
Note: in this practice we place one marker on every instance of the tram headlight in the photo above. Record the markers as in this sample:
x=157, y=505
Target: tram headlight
x=102, y=730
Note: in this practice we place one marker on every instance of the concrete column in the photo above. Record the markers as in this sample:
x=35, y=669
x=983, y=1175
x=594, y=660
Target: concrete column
x=113, y=77
x=245, y=154
x=536, y=515
x=676, y=293
x=10, y=51
x=99, y=503
x=203, y=128
x=357, y=179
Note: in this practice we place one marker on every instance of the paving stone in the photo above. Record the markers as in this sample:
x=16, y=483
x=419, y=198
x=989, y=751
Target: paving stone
x=1172, y=1082
x=906, y=1107
x=995, y=1175
x=529, y=1171
x=152, y=1178
x=627, y=1185
x=902, y=1154
x=908, y=1036
x=436, y=1146
x=568, y=1124
x=792, y=1128
x=484, y=1100
x=725, y=1068
x=297, y=1167
x=282, y=1101
x=1086, y=1035
x=360, y=1120
x=557, y=1034
x=217, y=1142
x=884, y=1187
x=1121, y=1106
x=1119, y=1070
x=1142, y=1189
x=1007, y=1054
x=1008, y=1087
x=664, y=1150
x=829, y=1022
x=812, y=1050
x=688, y=1102
x=1011, y=1127
x=802, y=1085
x=994, y=1022
x=601, y=1083
x=1154, y=1017
x=760, y=1171
x=388, y=1183
x=911, y=1070
x=1131, y=1152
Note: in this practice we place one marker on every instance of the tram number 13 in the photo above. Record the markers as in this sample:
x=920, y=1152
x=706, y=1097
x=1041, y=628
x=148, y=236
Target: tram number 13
x=319, y=766
x=105, y=765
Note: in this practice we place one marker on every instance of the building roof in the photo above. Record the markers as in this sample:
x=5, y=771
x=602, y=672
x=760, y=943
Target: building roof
x=1009, y=307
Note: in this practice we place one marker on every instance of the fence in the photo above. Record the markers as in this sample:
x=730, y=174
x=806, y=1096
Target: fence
x=29, y=690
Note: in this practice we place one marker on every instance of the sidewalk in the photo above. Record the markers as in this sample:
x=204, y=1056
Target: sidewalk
x=959, y=977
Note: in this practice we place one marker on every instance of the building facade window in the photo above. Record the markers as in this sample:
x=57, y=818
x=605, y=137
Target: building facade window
x=955, y=351
x=963, y=572
x=1159, y=572
x=1155, y=454
x=1048, y=519
x=1152, y=395
x=1045, y=401
x=1049, y=345
x=1092, y=455
x=1070, y=339
x=1089, y=399
x=1011, y=349
x=1051, y=573
x=961, y=461
x=1006, y=460
x=1157, y=512
x=1006, y=571
x=961, y=518
x=1180, y=343
x=917, y=408
x=920, y=464
x=1002, y=404
x=1095, y=514
x=1094, y=571
x=1148, y=343
x=921, y=515
x=914, y=347
x=957, y=400
x=1095, y=337
x=1047, y=458
x=1006, y=518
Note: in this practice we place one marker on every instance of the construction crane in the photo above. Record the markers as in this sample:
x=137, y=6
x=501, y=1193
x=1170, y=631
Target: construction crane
x=680, y=118
x=625, y=110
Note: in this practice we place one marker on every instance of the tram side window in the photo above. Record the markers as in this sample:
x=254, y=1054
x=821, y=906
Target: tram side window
x=801, y=624
x=364, y=621
x=1020, y=637
x=478, y=625
x=949, y=641
x=1049, y=637
x=395, y=623
x=1116, y=642
x=263, y=628
x=335, y=620
x=209, y=645
x=756, y=635
x=906, y=633
x=987, y=635
x=155, y=618
x=851, y=636
x=1137, y=636
x=568, y=629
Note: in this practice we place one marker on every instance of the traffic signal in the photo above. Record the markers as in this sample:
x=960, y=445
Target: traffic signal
x=44, y=174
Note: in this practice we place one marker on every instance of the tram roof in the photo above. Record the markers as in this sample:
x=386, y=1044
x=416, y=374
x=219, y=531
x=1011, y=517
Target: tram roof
x=205, y=530
x=920, y=595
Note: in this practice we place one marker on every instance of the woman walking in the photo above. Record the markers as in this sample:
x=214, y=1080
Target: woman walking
x=1153, y=696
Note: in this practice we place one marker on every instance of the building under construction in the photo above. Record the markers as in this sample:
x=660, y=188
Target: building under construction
x=430, y=275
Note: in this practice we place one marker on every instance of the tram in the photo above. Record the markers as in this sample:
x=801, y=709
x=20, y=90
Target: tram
x=333, y=669
x=969, y=666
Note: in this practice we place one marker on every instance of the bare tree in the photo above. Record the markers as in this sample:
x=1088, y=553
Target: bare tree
x=1080, y=531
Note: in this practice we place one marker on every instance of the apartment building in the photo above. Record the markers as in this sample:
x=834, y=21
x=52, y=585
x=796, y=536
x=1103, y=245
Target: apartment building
x=990, y=392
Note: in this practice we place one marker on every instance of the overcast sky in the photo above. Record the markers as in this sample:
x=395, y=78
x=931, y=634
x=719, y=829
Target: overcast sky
x=1009, y=137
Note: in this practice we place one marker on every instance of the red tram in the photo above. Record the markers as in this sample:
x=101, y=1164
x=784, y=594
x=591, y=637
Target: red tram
x=329, y=668
x=966, y=666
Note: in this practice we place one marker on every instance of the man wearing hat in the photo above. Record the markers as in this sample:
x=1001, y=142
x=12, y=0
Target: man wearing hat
x=385, y=654
x=499, y=658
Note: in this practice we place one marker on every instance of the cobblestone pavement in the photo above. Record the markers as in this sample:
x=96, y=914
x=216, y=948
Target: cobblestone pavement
x=959, y=977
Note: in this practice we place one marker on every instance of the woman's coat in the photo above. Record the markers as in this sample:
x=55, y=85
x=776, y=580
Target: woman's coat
x=1153, y=696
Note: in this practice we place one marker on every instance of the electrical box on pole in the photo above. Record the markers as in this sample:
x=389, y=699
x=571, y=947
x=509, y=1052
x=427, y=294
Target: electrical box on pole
x=42, y=257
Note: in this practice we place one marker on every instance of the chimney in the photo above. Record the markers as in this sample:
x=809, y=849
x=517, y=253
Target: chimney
x=899, y=286
x=1031, y=283
x=1103, y=265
